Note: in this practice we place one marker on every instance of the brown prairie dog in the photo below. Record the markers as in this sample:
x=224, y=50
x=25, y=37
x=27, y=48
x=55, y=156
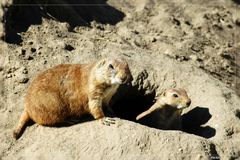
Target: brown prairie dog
x=168, y=108
x=71, y=90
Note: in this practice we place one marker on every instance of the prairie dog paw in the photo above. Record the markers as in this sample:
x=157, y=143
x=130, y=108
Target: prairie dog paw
x=108, y=121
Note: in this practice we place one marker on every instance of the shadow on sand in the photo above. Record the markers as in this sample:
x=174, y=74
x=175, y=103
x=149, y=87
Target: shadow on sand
x=24, y=13
x=193, y=120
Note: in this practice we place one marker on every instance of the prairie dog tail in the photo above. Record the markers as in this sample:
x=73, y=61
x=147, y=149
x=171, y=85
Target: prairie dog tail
x=21, y=124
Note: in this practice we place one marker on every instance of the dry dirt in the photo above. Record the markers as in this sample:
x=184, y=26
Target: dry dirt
x=188, y=43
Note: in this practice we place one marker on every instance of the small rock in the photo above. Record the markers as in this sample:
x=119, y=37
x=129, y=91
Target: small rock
x=1, y=69
x=135, y=32
x=137, y=42
x=193, y=57
x=23, y=52
x=230, y=44
x=10, y=70
x=225, y=64
x=200, y=64
x=229, y=132
x=68, y=47
x=229, y=26
x=217, y=27
x=29, y=58
x=196, y=48
x=24, y=70
x=237, y=113
x=154, y=39
x=23, y=80
x=231, y=70
x=181, y=58
x=33, y=50
x=237, y=21
x=8, y=75
x=180, y=149
x=30, y=43
x=176, y=21
x=188, y=23
x=226, y=55
x=100, y=27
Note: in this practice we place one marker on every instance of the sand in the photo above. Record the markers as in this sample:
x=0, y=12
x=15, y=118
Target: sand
x=190, y=44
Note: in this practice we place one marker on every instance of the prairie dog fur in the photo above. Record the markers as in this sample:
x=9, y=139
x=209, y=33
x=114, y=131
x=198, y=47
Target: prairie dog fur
x=71, y=90
x=168, y=108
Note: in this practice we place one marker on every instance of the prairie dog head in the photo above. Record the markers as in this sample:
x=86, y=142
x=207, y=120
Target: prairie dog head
x=175, y=97
x=113, y=71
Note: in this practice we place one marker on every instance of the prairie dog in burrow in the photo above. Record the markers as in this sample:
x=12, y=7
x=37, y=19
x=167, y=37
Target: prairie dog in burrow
x=71, y=90
x=167, y=109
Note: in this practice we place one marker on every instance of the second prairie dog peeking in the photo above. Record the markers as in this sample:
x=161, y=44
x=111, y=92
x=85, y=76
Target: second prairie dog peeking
x=166, y=111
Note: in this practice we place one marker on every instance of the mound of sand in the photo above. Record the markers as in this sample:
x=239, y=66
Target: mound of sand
x=187, y=44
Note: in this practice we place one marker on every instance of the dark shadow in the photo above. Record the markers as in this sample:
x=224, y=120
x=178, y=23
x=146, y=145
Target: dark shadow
x=237, y=113
x=81, y=12
x=132, y=102
x=193, y=120
x=135, y=102
x=18, y=18
x=236, y=1
x=213, y=152
x=24, y=13
x=74, y=121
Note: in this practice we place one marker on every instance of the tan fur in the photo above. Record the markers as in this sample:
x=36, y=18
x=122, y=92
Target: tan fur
x=169, y=108
x=70, y=90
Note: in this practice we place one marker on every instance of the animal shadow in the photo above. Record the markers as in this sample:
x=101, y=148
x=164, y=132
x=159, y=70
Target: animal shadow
x=193, y=120
x=21, y=14
x=74, y=121
x=190, y=122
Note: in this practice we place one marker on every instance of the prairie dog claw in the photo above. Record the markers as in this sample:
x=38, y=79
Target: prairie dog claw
x=108, y=121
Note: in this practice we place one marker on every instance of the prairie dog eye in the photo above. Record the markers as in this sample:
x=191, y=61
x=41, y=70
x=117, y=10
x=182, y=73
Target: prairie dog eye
x=111, y=66
x=175, y=95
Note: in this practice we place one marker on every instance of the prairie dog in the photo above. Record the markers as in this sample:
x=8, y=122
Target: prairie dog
x=168, y=109
x=71, y=90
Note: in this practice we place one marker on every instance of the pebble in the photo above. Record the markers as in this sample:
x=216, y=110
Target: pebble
x=193, y=57
x=225, y=64
x=24, y=70
x=8, y=75
x=33, y=50
x=23, y=80
x=30, y=43
x=29, y=58
x=135, y=32
x=68, y=47
x=154, y=39
x=23, y=52
x=196, y=48
x=237, y=21
x=231, y=70
x=226, y=55
x=176, y=21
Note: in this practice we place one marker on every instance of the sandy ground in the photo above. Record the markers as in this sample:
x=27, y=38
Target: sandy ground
x=195, y=44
